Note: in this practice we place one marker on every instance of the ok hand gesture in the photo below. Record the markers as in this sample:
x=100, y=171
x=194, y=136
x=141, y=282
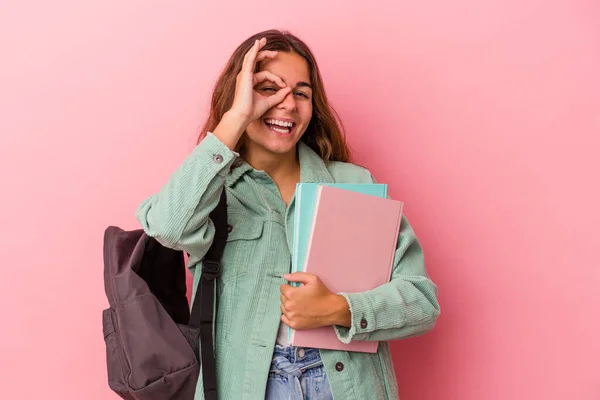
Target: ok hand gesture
x=248, y=104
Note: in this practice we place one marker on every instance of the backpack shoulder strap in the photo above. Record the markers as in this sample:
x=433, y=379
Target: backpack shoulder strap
x=203, y=310
x=219, y=219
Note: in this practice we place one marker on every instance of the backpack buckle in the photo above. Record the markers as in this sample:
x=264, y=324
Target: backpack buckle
x=210, y=269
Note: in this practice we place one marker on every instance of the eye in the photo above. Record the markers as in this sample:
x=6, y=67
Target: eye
x=269, y=89
x=301, y=94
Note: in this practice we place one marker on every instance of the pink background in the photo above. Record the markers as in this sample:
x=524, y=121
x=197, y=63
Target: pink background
x=483, y=116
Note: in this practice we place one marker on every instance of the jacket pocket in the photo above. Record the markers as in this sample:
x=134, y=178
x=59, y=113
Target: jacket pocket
x=243, y=246
x=241, y=255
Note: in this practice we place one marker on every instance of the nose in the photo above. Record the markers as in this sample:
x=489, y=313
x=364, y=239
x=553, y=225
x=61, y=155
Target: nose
x=288, y=103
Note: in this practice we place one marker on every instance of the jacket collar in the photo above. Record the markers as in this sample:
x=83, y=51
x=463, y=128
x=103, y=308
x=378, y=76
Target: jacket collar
x=312, y=167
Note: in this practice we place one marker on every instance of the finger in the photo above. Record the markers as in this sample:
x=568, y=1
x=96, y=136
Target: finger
x=262, y=76
x=261, y=43
x=284, y=289
x=303, y=277
x=278, y=97
x=285, y=320
x=283, y=309
x=266, y=54
x=245, y=59
x=282, y=298
x=248, y=63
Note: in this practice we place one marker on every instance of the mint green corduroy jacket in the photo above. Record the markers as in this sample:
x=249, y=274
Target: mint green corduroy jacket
x=258, y=254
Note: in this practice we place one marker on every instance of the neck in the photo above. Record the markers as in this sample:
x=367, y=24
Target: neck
x=277, y=166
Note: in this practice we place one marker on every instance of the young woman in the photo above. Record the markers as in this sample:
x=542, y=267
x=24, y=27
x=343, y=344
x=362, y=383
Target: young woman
x=270, y=127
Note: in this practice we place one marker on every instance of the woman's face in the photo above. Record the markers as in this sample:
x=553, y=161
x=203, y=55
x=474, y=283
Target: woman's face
x=272, y=133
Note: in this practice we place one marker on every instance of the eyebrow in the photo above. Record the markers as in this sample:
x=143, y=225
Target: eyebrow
x=304, y=84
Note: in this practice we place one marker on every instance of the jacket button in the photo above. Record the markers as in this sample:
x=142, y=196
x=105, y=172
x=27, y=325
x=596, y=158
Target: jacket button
x=363, y=323
x=229, y=228
x=218, y=158
x=339, y=366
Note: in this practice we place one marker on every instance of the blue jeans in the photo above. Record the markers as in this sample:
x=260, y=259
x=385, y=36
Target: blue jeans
x=297, y=373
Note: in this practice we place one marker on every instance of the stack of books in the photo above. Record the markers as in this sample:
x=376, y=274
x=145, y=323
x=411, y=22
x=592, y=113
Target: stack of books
x=346, y=234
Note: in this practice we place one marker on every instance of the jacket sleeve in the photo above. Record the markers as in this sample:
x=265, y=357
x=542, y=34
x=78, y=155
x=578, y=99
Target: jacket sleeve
x=177, y=216
x=404, y=307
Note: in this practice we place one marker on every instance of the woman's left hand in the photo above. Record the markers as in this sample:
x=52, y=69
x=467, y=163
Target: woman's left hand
x=312, y=305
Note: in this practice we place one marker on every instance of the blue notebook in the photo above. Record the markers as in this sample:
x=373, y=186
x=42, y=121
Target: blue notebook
x=306, y=194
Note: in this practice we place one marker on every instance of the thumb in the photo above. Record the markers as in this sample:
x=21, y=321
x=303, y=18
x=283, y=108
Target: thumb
x=302, y=277
x=279, y=96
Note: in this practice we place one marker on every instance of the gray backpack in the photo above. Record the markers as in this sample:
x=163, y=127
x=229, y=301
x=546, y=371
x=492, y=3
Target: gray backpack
x=151, y=337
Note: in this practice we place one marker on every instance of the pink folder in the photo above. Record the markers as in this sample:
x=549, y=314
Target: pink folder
x=351, y=248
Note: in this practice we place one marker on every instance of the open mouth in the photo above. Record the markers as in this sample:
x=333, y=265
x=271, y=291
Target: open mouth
x=280, y=127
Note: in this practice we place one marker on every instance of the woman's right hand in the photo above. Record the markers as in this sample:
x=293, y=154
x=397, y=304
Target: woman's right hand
x=248, y=104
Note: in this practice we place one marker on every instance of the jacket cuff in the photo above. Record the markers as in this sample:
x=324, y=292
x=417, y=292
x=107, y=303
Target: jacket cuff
x=220, y=157
x=362, y=318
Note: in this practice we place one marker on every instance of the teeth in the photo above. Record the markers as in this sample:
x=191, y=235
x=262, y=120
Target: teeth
x=281, y=130
x=280, y=123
